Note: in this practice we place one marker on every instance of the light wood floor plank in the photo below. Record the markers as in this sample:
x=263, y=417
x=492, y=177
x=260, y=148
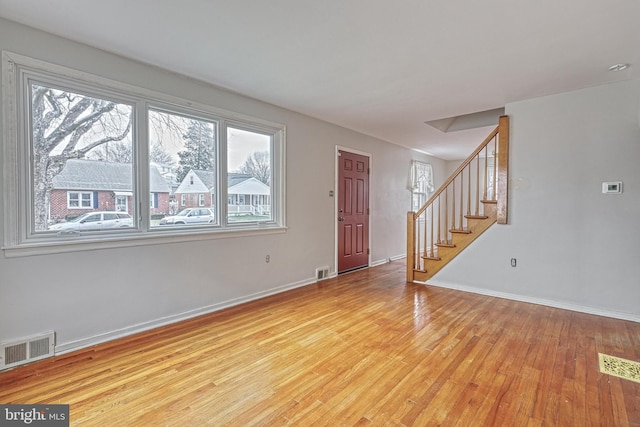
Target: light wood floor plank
x=363, y=349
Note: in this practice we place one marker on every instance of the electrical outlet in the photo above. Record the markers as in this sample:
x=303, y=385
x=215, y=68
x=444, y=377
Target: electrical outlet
x=513, y=262
x=267, y=258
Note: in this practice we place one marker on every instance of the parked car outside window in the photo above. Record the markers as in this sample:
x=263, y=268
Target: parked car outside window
x=190, y=216
x=92, y=221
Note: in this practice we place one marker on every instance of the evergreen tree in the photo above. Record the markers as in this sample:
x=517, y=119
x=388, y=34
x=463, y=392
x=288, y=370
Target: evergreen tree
x=198, y=153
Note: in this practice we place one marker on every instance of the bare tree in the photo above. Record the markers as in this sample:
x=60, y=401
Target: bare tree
x=258, y=165
x=159, y=155
x=68, y=126
x=117, y=151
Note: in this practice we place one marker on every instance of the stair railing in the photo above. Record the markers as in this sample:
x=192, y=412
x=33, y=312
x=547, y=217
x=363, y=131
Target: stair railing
x=481, y=179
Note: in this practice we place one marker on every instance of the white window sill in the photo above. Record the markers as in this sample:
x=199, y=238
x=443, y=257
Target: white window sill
x=46, y=247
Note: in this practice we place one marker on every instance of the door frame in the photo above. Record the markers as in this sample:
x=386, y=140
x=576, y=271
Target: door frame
x=336, y=186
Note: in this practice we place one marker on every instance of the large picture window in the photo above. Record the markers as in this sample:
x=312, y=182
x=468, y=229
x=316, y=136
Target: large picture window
x=101, y=146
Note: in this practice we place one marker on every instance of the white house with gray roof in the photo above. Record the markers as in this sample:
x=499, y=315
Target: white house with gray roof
x=245, y=194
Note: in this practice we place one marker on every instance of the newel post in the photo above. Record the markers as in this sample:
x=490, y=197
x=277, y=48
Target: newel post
x=410, y=245
x=502, y=170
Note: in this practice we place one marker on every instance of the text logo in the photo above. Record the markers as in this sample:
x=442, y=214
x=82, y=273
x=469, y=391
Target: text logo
x=34, y=415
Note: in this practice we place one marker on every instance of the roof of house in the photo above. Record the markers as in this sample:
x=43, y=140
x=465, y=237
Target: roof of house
x=82, y=174
x=207, y=178
x=250, y=186
x=236, y=178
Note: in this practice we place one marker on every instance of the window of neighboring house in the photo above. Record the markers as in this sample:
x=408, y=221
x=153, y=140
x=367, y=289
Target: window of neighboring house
x=79, y=200
x=153, y=200
x=79, y=127
x=121, y=202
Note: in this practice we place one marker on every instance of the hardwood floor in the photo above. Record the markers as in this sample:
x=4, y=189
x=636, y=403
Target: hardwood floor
x=365, y=348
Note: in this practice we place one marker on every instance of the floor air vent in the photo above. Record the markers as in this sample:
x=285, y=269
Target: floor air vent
x=619, y=367
x=26, y=350
x=322, y=273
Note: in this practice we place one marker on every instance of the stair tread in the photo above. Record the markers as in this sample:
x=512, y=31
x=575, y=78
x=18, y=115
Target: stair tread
x=460, y=230
x=489, y=201
x=432, y=258
x=476, y=216
x=445, y=245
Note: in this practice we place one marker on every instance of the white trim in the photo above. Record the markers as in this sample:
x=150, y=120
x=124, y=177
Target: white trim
x=10, y=59
x=335, y=202
x=80, y=199
x=387, y=261
x=379, y=262
x=145, y=326
x=397, y=257
x=21, y=240
x=125, y=240
x=533, y=300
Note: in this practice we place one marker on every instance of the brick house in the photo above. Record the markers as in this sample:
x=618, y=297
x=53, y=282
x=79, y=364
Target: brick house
x=88, y=185
x=197, y=189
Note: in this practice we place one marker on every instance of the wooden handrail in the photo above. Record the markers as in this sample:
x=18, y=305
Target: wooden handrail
x=422, y=243
x=455, y=174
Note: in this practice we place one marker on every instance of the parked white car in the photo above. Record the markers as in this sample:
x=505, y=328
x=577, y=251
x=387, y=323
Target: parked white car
x=92, y=221
x=190, y=216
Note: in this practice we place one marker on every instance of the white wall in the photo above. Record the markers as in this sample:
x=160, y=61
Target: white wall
x=575, y=247
x=94, y=295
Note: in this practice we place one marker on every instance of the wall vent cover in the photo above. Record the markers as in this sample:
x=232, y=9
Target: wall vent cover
x=26, y=350
x=322, y=273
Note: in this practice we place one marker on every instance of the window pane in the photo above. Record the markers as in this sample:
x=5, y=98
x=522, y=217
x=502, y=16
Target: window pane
x=82, y=155
x=182, y=168
x=86, y=200
x=249, y=177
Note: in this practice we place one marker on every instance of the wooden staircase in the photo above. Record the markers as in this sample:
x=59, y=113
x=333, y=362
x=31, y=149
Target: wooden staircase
x=465, y=206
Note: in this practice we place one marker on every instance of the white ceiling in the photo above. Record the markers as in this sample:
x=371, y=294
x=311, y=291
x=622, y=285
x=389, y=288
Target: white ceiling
x=380, y=67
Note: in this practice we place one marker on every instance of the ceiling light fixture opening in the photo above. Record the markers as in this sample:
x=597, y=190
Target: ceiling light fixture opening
x=618, y=67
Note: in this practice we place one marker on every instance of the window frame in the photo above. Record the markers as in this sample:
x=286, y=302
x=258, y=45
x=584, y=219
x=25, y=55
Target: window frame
x=17, y=207
x=273, y=153
x=80, y=199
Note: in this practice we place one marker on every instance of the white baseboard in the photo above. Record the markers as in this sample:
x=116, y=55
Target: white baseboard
x=145, y=326
x=533, y=300
x=387, y=260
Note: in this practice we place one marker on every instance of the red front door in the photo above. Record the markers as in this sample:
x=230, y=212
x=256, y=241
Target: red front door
x=353, y=211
